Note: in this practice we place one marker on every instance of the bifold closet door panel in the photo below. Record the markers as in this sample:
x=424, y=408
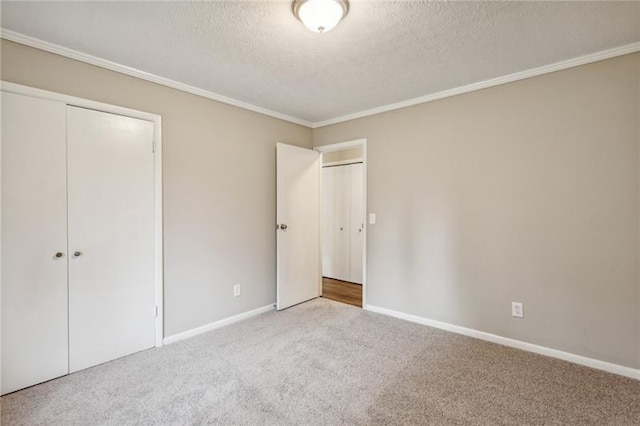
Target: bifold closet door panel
x=328, y=226
x=111, y=236
x=357, y=221
x=336, y=223
x=34, y=241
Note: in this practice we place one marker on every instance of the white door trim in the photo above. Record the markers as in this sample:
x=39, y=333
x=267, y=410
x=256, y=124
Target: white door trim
x=357, y=143
x=157, y=144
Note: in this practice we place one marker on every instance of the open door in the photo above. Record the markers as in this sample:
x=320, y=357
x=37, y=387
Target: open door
x=298, y=223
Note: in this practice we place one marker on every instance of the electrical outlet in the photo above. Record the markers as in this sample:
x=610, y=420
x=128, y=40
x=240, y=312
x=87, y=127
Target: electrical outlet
x=372, y=218
x=237, y=290
x=516, y=310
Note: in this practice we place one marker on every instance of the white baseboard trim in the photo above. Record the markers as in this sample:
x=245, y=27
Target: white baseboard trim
x=217, y=324
x=529, y=347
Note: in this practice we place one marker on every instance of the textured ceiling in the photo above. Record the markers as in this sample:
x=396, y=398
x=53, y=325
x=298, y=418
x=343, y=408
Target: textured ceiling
x=381, y=53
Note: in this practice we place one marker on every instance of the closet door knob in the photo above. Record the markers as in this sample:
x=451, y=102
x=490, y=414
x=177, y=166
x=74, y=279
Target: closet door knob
x=283, y=226
x=59, y=254
x=76, y=254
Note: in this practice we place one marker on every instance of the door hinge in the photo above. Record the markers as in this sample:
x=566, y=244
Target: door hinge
x=156, y=311
x=153, y=145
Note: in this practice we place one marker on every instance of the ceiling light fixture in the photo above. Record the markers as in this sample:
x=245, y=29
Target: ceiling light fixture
x=320, y=15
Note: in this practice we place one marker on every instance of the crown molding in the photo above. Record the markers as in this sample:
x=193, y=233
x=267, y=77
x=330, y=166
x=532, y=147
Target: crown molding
x=133, y=72
x=123, y=69
x=533, y=72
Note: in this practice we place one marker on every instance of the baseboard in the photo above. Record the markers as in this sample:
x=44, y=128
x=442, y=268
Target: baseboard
x=217, y=324
x=530, y=347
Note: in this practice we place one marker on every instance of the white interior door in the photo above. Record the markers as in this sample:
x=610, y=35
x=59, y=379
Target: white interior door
x=111, y=236
x=356, y=227
x=336, y=209
x=297, y=200
x=34, y=242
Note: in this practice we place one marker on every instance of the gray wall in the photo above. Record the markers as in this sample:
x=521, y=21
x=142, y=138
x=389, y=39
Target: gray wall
x=219, y=184
x=523, y=192
x=528, y=191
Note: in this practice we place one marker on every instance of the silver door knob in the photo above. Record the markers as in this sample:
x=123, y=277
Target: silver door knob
x=283, y=226
x=76, y=254
x=59, y=254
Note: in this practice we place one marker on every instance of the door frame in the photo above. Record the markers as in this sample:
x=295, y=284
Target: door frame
x=340, y=146
x=156, y=119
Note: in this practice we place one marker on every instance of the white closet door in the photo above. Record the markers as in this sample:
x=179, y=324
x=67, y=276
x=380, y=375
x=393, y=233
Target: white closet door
x=337, y=217
x=356, y=228
x=328, y=240
x=34, y=217
x=111, y=237
x=335, y=209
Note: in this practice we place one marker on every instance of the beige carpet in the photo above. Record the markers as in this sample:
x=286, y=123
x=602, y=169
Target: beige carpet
x=323, y=362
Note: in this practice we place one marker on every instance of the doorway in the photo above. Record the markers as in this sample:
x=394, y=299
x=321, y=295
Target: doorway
x=342, y=222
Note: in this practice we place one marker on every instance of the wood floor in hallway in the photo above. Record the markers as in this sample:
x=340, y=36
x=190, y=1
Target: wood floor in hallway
x=342, y=291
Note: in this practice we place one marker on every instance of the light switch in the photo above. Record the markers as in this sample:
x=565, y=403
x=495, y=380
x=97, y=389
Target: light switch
x=372, y=218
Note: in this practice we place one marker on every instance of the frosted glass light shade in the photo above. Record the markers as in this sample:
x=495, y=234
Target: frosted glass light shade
x=320, y=15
